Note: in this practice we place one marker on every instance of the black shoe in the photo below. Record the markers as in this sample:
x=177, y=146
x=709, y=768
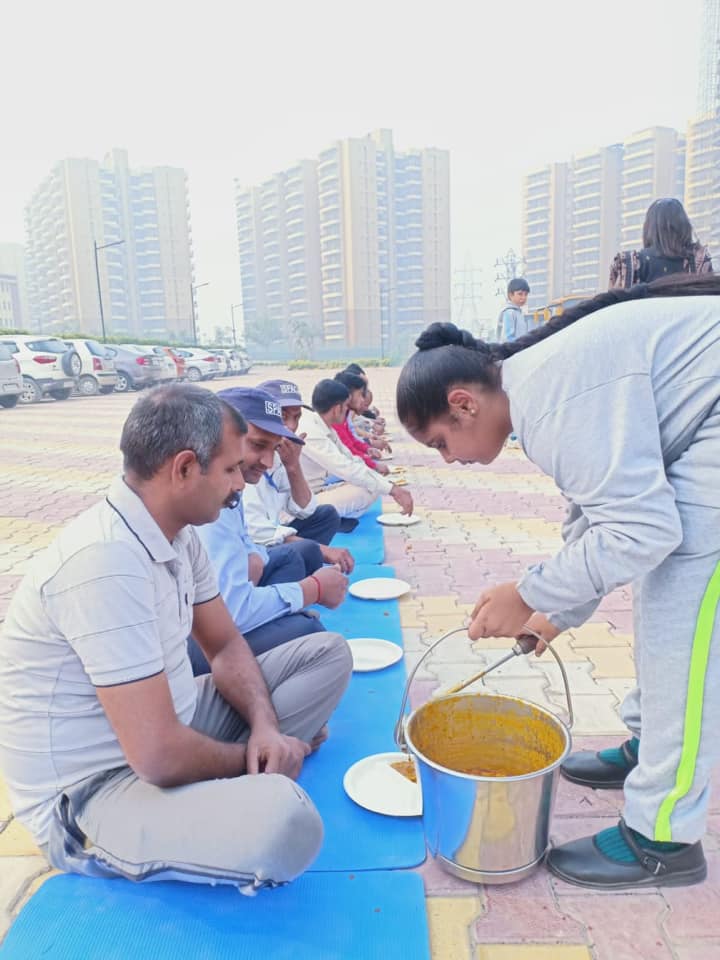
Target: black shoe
x=347, y=524
x=582, y=863
x=590, y=770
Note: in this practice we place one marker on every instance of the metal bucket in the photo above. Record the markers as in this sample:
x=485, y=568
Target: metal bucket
x=486, y=828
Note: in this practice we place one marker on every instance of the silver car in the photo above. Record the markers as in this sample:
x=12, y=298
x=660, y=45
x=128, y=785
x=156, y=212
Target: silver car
x=135, y=368
x=199, y=364
x=168, y=371
x=11, y=383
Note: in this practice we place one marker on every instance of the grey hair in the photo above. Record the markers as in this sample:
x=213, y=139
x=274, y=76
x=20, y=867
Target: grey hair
x=169, y=419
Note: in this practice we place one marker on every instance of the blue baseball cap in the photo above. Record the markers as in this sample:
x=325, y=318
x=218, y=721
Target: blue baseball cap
x=259, y=408
x=285, y=392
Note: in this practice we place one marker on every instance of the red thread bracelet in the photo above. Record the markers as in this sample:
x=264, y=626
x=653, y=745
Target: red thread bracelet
x=319, y=589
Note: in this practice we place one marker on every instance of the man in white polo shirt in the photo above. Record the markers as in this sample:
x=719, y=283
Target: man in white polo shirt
x=116, y=758
x=325, y=456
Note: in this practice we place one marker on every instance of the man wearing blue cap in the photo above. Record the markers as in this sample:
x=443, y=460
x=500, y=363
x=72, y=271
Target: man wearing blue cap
x=281, y=508
x=266, y=593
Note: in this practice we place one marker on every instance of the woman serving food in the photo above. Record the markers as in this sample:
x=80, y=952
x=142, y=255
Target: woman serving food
x=619, y=402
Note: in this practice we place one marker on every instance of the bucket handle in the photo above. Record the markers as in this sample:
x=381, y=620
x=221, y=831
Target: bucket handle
x=399, y=732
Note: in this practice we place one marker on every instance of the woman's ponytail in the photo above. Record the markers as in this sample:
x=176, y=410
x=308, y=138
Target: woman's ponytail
x=448, y=356
x=673, y=285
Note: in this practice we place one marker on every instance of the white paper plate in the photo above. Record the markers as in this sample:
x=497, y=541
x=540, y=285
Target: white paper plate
x=379, y=588
x=371, y=654
x=397, y=520
x=372, y=783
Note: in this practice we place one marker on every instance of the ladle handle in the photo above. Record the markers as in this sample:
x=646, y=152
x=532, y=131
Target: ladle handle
x=526, y=647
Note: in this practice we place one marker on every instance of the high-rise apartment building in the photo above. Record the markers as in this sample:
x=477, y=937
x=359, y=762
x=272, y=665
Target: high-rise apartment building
x=14, y=309
x=702, y=155
x=544, y=232
x=353, y=245
x=702, y=180
x=708, y=91
x=594, y=212
x=578, y=214
x=653, y=167
x=278, y=244
x=140, y=222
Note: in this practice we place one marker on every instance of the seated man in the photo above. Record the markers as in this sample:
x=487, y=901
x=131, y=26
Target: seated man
x=370, y=412
x=324, y=455
x=280, y=508
x=349, y=434
x=266, y=593
x=116, y=759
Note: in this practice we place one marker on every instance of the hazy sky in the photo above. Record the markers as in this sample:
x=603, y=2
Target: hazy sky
x=245, y=89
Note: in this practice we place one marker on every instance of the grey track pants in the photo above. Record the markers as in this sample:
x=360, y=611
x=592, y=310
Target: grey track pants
x=250, y=831
x=675, y=707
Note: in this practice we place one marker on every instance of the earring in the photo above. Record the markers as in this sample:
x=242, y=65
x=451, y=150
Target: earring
x=472, y=413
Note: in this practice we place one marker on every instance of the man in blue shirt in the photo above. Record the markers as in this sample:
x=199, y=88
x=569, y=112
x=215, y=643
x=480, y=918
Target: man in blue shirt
x=266, y=596
x=281, y=509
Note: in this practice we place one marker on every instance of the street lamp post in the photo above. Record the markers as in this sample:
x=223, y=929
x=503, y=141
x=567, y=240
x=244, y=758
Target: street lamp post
x=232, y=321
x=193, y=288
x=102, y=246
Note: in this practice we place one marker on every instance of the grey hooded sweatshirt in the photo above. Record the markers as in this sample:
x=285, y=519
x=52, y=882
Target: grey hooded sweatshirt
x=607, y=407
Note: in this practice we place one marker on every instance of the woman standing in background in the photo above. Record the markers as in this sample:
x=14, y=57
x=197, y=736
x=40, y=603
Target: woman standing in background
x=668, y=247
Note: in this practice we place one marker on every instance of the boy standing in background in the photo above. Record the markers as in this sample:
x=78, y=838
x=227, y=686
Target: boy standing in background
x=513, y=322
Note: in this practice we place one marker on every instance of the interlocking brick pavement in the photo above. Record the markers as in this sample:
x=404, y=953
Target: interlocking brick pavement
x=481, y=525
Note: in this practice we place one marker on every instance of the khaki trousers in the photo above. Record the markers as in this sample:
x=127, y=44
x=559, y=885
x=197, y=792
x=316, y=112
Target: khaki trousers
x=251, y=831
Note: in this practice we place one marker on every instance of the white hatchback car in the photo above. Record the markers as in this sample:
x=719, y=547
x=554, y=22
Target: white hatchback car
x=49, y=368
x=11, y=383
x=97, y=373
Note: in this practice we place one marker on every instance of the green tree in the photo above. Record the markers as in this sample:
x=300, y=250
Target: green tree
x=263, y=330
x=303, y=338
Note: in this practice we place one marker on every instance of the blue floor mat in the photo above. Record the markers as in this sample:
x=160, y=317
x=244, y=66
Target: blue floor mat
x=365, y=618
x=356, y=839
x=366, y=541
x=318, y=917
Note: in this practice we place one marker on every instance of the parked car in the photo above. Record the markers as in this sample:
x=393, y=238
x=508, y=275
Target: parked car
x=135, y=368
x=167, y=369
x=199, y=364
x=48, y=366
x=97, y=374
x=223, y=361
x=240, y=361
x=226, y=357
x=176, y=359
x=11, y=382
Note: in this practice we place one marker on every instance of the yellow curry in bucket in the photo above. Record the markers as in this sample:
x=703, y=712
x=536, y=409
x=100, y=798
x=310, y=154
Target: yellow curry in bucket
x=468, y=734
